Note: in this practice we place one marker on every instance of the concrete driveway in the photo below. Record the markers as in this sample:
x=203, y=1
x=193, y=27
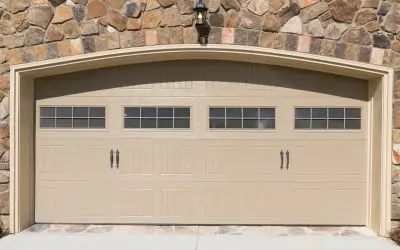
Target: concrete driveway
x=186, y=242
x=223, y=238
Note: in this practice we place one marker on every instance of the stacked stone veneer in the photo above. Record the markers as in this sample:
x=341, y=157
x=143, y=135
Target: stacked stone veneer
x=33, y=30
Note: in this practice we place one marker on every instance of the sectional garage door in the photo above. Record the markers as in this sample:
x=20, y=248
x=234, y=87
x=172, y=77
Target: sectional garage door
x=201, y=142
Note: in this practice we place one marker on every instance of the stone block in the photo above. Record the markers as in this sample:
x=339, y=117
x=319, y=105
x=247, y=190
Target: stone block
x=4, y=176
x=228, y=36
x=53, y=34
x=76, y=47
x=89, y=45
x=215, y=36
x=365, y=16
x=5, y=202
x=303, y=44
x=163, y=36
x=250, y=21
x=172, y=17
x=176, y=35
x=240, y=36
x=365, y=54
x=313, y=11
x=396, y=114
x=151, y=37
x=64, y=48
x=27, y=54
x=5, y=221
x=89, y=28
x=315, y=46
x=291, y=42
x=34, y=36
x=189, y=35
x=116, y=20
x=5, y=158
x=151, y=19
x=392, y=20
x=352, y=52
x=63, y=13
x=126, y=39
x=134, y=24
x=358, y=36
x=15, y=6
x=272, y=40
x=230, y=4
x=377, y=56
x=14, y=41
x=253, y=38
x=344, y=10
x=185, y=6
x=52, y=51
x=71, y=29
x=113, y=41
x=327, y=48
x=232, y=19
x=4, y=83
x=340, y=50
x=40, y=15
x=139, y=38
x=96, y=9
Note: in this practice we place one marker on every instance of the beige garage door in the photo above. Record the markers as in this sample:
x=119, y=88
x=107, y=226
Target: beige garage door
x=201, y=142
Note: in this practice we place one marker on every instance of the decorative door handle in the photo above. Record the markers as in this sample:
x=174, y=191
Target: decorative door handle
x=111, y=158
x=281, y=159
x=287, y=159
x=117, y=157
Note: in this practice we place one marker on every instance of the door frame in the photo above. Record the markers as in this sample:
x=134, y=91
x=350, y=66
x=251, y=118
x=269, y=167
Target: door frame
x=22, y=118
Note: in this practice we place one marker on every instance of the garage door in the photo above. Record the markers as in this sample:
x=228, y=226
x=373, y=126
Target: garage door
x=201, y=142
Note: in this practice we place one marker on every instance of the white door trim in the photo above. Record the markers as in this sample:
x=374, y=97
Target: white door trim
x=22, y=106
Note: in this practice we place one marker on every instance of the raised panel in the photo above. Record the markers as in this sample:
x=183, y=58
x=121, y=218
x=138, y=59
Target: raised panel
x=135, y=202
x=239, y=201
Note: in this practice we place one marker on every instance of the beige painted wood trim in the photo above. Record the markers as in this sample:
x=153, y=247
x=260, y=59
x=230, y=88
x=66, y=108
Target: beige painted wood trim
x=21, y=75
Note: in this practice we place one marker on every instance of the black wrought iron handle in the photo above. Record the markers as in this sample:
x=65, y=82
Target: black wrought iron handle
x=287, y=159
x=111, y=158
x=281, y=159
x=117, y=157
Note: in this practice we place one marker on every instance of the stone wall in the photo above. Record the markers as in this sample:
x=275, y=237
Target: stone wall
x=33, y=30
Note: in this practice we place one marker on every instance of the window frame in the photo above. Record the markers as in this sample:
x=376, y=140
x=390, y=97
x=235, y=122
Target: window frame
x=72, y=128
x=327, y=129
x=156, y=129
x=259, y=118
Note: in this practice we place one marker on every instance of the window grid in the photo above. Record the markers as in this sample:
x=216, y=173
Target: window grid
x=350, y=122
x=72, y=121
x=175, y=120
x=258, y=122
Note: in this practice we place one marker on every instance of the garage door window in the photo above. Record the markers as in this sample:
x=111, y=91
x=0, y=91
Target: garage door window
x=328, y=118
x=73, y=117
x=157, y=117
x=241, y=118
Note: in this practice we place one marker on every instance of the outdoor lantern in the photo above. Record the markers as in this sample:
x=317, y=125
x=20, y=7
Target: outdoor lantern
x=200, y=10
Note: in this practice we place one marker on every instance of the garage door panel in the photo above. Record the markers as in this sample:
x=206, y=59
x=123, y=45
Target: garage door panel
x=135, y=203
x=240, y=201
x=161, y=158
x=202, y=175
x=326, y=203
x=328, y=158
x=75, y=201
x=236, y=159
x=181, y=202
x=72, y=161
